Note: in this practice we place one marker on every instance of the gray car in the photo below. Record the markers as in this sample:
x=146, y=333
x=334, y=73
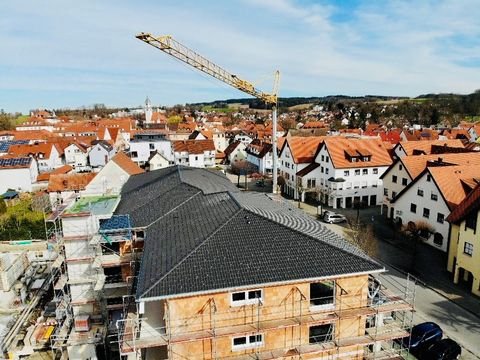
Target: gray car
x=333, y=218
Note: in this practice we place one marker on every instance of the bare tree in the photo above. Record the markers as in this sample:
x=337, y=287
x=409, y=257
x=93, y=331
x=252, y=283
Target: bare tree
x=363, y=236
x=417, y=232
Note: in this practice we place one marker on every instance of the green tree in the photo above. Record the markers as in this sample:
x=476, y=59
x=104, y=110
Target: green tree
x=3, y=206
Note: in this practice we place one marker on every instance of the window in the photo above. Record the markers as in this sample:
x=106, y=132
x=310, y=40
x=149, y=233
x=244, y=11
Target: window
x=375, y=171
x=322, y=294
x=246, y=297
x=357, y=172
x=438, y=239
x=321, y=169
x=404, y=182
x=394, y=194
x=327, y=159
x=326, y=170
x=134, y=154
x=413, y=208
x=426, y=213
x=346, y=173
x=394, y=178
x=440, y=218
x=364, y=171
x=420, y=192
x=151, y=146
x=320, y=333
x=196, y=157
x=471, y=221
x=385, y=192
x=400, y=167
x=311, y=183
x=323, y=158
x=434, y=197
x=429, y=178
x=468, y=248
x=246, y=342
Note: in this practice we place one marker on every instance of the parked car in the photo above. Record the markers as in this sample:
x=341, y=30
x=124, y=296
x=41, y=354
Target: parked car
x=260, y=183
x=331, y=218
x=445, y=349
x=422, y=336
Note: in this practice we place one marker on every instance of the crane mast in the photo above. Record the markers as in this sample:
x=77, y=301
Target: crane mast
x=173, y=48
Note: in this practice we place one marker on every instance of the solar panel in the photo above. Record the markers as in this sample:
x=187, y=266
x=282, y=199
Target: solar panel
x=12, y=162
x=116, y=222
x=5, y=145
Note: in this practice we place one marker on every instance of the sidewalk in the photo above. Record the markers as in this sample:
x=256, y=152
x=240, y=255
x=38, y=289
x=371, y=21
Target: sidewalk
x=430, y=264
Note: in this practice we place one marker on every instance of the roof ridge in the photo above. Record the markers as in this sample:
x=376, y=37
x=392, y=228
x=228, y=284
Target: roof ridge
x=316, y=239
x=203, y=242
x=174, y=208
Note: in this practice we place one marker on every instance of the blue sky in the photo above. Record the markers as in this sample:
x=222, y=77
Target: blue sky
x=65, y=53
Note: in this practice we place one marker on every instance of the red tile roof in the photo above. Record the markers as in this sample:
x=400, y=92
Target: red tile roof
x=426, y=146
x=32, y=149
x=193, y=146
x=466, y=206
x=69, y=182
x=124, y=162
x=449, y=181
x=303, y=149
x=65, y=169
x=338, y=147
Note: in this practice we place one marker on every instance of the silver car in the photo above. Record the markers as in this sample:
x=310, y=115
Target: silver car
x=332, y=218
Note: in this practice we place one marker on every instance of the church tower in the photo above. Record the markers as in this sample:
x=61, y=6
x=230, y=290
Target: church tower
x=148, y=111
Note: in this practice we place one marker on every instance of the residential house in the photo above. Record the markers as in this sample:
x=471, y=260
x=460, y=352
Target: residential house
x=406, y=169
x=259, y=154
x=432, y=196
x=76, y=155
x=113, y=175
x=425, y=134
x=158, y=161
x=235, y=152
x=349, y=172
x=17, y=173
x=426, y=147
x=230, y=274
x=5, y=145
x=148, y=142
x=295, y=154
x=64, y=188
x=194, y=153
x=100, y=153
x=48, y=155
x=464, y=243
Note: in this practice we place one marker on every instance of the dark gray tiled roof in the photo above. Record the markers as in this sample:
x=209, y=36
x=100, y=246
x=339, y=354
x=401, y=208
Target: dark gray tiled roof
x=251, y=250
x=203, y=235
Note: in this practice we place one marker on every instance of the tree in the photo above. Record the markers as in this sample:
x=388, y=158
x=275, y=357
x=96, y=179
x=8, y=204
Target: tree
x=417, y=232
x=363, y=236
x=241, y=167
x=3, y=206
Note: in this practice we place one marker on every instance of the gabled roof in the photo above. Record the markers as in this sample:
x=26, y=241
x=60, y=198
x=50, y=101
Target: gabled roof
x=205, y=235
x=69, y=182
x=125, y=163
x=193, y=146
x=469, y=204
x=231, y=147
x=449, y=181
x=416, y=164
x=426, y=146
x=338, y=147
x=303, y=149
x=306, y=170
x=44, y=149
x=65, y=169
x=258, y=148
x=104, y=144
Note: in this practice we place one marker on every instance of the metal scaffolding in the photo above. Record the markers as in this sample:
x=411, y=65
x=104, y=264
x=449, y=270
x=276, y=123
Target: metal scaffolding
x=388, y=315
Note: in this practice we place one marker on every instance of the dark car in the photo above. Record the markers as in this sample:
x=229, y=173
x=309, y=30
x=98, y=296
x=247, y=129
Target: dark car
x=422, y=336
x=445, y=349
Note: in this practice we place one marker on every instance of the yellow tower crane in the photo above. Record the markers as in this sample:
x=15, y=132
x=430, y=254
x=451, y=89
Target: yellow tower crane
x=172, y=47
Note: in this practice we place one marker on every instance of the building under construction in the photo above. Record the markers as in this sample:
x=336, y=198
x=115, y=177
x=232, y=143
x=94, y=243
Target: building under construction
x=224, y=274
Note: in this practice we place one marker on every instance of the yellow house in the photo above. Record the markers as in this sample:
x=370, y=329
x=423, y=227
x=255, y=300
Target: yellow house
x=464, y=247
